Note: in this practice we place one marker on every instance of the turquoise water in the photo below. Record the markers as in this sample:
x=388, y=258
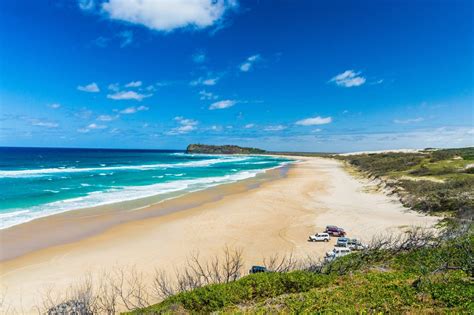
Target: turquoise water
x=37, y=182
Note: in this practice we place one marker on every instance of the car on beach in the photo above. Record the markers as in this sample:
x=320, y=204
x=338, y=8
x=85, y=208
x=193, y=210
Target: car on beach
x=342, y=242
x=355, y=244
x=319, y=237
x=336, y=253
x=335, y=231
x=257, y=269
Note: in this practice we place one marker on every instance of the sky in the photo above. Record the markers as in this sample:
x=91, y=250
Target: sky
x=315, y=75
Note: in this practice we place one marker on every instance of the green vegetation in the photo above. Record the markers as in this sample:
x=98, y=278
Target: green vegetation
x=251, y=288
x=221, y=149
x=416, y=276
x=433, y=181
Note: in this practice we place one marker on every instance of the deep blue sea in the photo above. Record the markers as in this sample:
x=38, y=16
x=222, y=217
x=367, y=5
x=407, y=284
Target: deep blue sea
x=37, y=182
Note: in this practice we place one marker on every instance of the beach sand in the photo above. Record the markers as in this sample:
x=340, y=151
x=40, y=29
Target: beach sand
x=275, y=216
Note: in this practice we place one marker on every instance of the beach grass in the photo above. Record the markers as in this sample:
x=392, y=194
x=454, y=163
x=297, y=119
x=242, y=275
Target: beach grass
x=431, y=181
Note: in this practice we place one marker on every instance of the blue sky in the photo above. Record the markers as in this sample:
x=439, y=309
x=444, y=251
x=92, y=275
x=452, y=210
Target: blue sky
x=282, y=75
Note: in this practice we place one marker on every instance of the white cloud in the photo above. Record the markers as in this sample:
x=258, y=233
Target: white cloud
x=113, y=87
x=185, y=125
x=150, y=88
x=95, y=126
x=46, y=124
x=184, y=129
x=86, y=4
x=202, y=81
x=83, y=113
x=203, y=95
x=216, y=128
x=133, y=84
x=107, y=117
x=348, y=78
x=274, y=128
x=248, y=126
x=133, y=110
x=318, y=120
x=91, y=88
x=248, y=64
x=409, y=120
x=211, y=81
x=90, y=127
x=222, y=104
x=54, y=105
x=167, y=15
x=128, y=95
x=126, y=37
x=199, y=57
x=101, y=41
x=185, y=121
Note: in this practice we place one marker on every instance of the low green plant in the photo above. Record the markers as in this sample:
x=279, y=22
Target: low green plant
x=251, y=288
x=444, y=182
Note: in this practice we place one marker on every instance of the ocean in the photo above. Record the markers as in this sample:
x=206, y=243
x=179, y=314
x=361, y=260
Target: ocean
x=37, y=182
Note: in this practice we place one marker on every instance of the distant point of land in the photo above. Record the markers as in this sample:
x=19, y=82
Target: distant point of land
x=221, y=149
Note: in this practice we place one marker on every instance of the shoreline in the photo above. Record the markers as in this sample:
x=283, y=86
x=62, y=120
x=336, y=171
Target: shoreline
x=157, y=191
x=75, y=225
x=274, y=218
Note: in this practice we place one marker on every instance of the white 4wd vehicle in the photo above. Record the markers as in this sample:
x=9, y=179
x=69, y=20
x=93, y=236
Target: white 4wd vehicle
x=337, y=252
x=354, y=244
x=319, y=237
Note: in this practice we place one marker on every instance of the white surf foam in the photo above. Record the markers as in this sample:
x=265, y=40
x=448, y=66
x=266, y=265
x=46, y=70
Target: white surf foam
x=50, y=171
x=120, y=194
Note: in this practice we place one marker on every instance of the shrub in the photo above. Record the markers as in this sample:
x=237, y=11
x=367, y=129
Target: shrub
x=454, y=195
x=251, y=288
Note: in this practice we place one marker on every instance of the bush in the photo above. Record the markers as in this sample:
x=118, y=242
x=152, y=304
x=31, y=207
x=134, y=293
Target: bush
x=381, y=164
x=251, y=288
x=423, y=170
x=445, y=154
x=454, y=195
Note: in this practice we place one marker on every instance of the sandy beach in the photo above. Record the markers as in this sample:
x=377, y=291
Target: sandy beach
x=264, y=217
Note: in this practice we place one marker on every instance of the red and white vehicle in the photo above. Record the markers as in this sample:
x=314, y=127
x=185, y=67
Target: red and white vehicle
x=335, y=231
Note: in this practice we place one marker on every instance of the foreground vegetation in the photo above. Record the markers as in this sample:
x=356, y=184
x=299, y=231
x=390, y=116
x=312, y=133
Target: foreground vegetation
x=420, y=274
x=432, y=181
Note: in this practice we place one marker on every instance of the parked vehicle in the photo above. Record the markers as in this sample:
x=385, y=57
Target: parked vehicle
x=335, y=231
x=319, y=237
x=336, y=253
x=258, y=269
x=342, y=242
x=355, y=244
